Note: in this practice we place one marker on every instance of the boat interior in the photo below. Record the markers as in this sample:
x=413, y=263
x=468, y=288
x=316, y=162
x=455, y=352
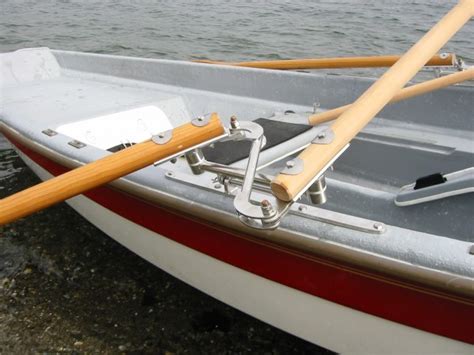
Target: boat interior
x=411, y=167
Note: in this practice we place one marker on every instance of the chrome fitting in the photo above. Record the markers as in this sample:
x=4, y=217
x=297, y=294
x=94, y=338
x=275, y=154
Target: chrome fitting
x=195, y=158
x=317, y=191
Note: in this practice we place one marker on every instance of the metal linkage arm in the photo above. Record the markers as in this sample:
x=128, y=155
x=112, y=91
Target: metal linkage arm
x=267, y=213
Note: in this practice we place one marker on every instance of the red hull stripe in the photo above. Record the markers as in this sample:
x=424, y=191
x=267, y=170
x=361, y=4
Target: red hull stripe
x=367, y=292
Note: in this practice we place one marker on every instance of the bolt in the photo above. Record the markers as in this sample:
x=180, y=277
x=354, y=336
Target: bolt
x=378, y=226
x=200, y=118
x=267, y=208
x=233, y=122
x=290, y=164
x=301, y=208
x=161, y=135
x=321, y=135
x=316, y=105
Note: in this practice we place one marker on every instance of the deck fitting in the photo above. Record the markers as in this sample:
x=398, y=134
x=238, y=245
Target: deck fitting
x=49, y=132
x=77, y=144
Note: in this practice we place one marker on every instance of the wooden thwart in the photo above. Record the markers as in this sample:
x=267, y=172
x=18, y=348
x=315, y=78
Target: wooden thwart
x=333, y=63
x=317, y=156
x=406, y=93
x=105, y=170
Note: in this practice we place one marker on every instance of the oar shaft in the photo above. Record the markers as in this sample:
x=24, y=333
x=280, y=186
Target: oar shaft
x=406, y=93
x=333, y=63
x=104, y=170
x=317, y=156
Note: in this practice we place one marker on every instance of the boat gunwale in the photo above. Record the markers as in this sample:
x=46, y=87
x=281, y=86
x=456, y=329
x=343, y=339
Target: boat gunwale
x=368, y=79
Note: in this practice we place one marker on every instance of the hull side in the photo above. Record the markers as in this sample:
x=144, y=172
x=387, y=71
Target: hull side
x=367, y=292
x=312, y=318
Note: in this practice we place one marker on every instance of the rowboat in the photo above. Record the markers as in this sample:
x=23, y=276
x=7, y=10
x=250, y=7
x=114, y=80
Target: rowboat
x=208, y=171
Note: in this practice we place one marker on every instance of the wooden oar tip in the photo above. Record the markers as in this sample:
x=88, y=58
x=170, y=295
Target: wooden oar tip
x=280, y=190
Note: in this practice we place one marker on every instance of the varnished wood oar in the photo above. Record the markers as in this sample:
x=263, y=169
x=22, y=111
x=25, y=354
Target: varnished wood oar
x=317, y=156
x=333, y=63
x=406, y=93
x=105, y=170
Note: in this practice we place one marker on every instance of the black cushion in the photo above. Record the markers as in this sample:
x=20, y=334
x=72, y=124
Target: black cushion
x=276, y=132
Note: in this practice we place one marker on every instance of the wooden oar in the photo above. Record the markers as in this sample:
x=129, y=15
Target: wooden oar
x=406, y=93
x=316, y=157
x=333, y=63
x=105, y=170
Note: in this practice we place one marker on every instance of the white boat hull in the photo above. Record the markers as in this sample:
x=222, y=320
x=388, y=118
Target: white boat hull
x=314, y=319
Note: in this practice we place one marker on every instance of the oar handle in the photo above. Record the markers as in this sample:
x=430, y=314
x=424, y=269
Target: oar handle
x=334, y=63
x=406, y=93
x=316, y=157
x=106, y=170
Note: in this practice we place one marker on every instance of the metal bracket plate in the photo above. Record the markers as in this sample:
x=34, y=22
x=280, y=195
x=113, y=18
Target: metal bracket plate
x=293, y=167
x=208, y=183
x=200, y=121
x=326, y=136
x=163, y=137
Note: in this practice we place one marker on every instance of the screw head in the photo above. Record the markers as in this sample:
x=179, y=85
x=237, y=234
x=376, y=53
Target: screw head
x=378, y=226
x=321, y=135
x=233, y=122
x=290, y=163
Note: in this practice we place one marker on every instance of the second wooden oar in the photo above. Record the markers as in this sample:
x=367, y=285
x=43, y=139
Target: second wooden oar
x=105, y=170
x=406, y=93
x=445, y=59
x=315, y=158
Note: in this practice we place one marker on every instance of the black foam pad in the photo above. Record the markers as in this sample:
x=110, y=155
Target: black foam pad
x=276, y=132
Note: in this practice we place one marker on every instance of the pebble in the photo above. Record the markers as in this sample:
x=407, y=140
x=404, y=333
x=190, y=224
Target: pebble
x=78, y=343
x=122, y=347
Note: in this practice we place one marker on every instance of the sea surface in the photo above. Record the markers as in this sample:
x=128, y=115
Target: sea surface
x=227, y=30
x=39, y=304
